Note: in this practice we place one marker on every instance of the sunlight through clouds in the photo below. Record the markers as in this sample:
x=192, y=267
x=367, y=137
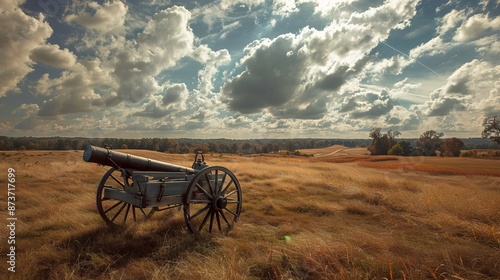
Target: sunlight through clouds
x=248, y=68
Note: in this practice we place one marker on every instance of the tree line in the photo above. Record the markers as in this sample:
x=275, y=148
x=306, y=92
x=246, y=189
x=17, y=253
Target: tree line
x=180, y=145
x=430, y=143
x=380, y=144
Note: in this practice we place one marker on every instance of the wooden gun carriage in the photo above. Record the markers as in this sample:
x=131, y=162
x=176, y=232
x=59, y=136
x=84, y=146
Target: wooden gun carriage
x=134, y=188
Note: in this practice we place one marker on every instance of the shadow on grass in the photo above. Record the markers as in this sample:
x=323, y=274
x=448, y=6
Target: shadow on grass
x=104, y=249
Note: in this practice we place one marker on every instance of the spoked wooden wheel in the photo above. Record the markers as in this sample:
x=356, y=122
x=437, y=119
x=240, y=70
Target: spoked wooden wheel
x=114, y=211
x=213, y=201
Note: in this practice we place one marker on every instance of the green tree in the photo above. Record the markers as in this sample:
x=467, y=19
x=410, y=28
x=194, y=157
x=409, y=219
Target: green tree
x=491, y=129
x=429, y=142
x=452, y=147
x=382, y=143
x=406, y=147
x=245, y=148
x=396, y=150
x=213, y=147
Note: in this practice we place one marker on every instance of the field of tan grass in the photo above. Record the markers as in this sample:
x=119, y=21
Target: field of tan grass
x=302, y=218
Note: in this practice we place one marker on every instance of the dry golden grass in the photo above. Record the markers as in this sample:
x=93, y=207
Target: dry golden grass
x=301, y=219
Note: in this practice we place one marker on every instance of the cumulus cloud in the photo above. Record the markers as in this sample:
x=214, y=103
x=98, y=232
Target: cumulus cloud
x=432, y=47
x=285, y=8
x=30, y=121
x=107, y=17
x=467, y=27
x=442, y=105
x=450, y=21
x=315, y=67
x=19, y=35
x=53, y=56
x=367, y=105
x=176, y=93
x=227, y=3
x=165, y=39
x=74, y=96
x=475, y=26
x=125, y=72
x=465, y=89
x=211, y=60
x=403, y=119
x=293, y=75
x=489, y=44
x=393, y=65
x=267, y=80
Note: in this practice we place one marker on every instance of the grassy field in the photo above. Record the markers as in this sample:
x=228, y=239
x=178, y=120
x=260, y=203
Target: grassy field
x=337, y=215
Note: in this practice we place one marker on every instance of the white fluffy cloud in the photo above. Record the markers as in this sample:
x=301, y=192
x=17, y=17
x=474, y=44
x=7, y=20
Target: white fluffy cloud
x=432, y=47
x=466, y=89
x=165, y=39
x=19, y=35
x=249, y=68
x=294, y=76
x=123, y=73
x=107, y=17
x=53, y=56
x=475, y=26
x=466, y=27
x=227, y=3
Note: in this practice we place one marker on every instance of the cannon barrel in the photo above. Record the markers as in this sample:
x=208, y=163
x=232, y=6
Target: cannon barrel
x=118, y=159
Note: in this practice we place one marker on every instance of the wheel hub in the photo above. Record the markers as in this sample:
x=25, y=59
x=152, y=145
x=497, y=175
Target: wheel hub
x=219, y=203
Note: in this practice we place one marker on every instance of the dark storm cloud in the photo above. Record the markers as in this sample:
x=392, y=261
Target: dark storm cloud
x=271, y=78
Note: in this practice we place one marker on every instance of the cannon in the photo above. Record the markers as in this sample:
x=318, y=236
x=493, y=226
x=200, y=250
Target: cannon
x=134, y=188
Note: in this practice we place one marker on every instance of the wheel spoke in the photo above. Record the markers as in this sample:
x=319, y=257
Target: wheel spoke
x=230, y=211
x=118, y=181
x=218, y=221
x=213, y=201
x=209, y=184
x=199, y=212
x=112, y=207
x=126, y=212
x=115, y=211
x=222, y=181
x=224, y=218
x=204, y=191
x=230, y=193
x=216, y=183
x=227, y=187
x=119, y=211
x=211, y=220
x=204, y=220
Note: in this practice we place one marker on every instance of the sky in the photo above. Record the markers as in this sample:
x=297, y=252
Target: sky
x=247, y=69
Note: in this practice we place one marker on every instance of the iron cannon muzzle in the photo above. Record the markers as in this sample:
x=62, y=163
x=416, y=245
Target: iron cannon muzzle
x=116, y=159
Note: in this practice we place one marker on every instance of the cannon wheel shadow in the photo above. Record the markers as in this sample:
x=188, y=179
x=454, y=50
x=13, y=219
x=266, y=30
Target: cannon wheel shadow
x=108, y=248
